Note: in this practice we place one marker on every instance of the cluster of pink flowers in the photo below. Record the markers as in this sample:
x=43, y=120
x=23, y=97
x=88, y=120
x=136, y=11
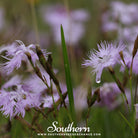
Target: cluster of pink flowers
x=122, y=18
x=119, y=17
x=20, y=93
x=15, y=102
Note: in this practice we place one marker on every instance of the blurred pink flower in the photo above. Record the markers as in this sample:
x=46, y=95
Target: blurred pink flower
x=121, y=18
x=110, y=96
x=72, y=23
x=125, y=13
x=128, y=60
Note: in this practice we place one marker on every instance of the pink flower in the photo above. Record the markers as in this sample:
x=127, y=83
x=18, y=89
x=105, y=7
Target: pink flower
x=16, y=54
x=15, y=102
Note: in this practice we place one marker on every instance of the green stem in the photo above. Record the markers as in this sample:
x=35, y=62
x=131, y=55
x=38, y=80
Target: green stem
x=132, y=111
x=136, y=90
x=54, y=105
x=24, y=122
x=87, y=117
x=120, y=86
x=124, y=118
x=132, y=103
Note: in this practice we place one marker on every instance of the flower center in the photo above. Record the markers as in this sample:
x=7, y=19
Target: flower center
x=104, y=58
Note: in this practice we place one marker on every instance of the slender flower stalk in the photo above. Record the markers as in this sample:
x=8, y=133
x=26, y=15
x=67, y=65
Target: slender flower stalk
x=37, y=70
x=48, y=69
x=24, y=122
x=119, y=84
x=133, y=54
x=57, y=103
x=136, y=90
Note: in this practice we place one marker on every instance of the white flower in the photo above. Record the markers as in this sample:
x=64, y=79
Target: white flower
x=107, y=55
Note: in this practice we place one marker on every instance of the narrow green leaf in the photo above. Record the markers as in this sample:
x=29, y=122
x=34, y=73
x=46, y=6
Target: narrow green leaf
x=68, y=75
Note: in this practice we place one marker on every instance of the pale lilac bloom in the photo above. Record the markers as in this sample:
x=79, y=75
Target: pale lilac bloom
x=107, y=55
x=72, y=35
x=46, y=98
x=6, y=104
x=80, y=98
x=10, y=48
x=80, y=15
x=48, y=101
x=128, y=34
x=72, y=23
x=25, y=100
x=13, y=103
x=123, y=19
x=17, y=55
x=28, y=49
x=135, y=65
x=108, y=25
x=14, y=63
x=127, y=14
x=15, y=80
x=110, y=96
x=31, y=49
x=128, y=60
x=35, y=84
